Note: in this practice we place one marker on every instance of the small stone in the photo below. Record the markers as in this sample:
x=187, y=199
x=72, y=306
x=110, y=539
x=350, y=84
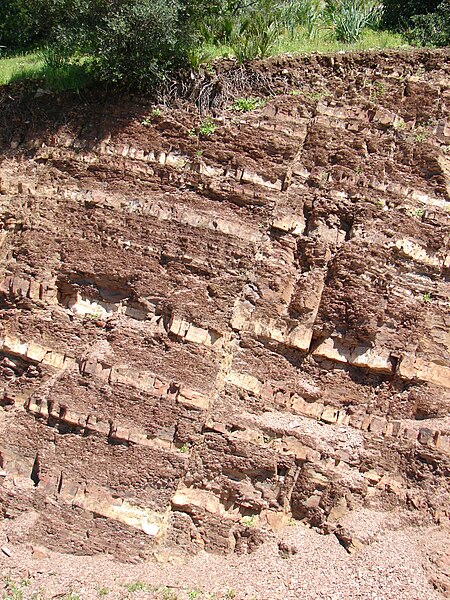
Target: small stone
x=6, y=550
x=39, y=554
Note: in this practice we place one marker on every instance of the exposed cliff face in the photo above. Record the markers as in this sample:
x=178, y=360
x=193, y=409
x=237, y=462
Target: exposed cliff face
x=204, y=337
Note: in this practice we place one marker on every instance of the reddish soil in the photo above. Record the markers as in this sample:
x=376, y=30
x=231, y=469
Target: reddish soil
x=224, y=358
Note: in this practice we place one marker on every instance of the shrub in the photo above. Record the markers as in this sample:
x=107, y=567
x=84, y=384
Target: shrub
x=432, y=29
x=130, y=43
x=398, y=13
x=351, y=17
x=137, y=44
x=20, y=27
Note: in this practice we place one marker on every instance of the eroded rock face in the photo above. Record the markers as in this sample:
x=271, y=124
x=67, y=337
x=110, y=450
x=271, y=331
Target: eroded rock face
x=203, y=339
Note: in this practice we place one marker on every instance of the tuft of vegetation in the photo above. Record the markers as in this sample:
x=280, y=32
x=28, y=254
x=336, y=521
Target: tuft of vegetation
x=426, y=297
x=248, y=104
x=184, y=449
x=351, y=17
x=249, y=521
x=167, y=593
x=207, y=127
x=137, y=586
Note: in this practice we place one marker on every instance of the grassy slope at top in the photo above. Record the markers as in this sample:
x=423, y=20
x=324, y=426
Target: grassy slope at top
x=32, y=66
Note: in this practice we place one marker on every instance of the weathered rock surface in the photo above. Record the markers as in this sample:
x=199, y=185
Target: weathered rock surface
x=201, y=339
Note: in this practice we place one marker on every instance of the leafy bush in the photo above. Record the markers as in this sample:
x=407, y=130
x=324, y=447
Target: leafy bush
x=137, y=44
x=432, y=29
x=19, y=27
x=398, y=13
x=133, y=44
x=351, y=17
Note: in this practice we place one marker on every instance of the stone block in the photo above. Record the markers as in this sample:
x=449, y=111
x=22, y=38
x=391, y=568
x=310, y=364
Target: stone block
x=372, y=359
x=69, y=362
x=68, y=490
x=192, y=399
x=43, y=409
x=20, y=287
x=300, y=337
x=437, y=439
x=377, y=425
x=393, y=428
x=36, y=352
x=197, y=335
x=178, y=326
x=47, y=485
x=410, y=434
x=356, y=421
x=366, y=422
x=425, y=435
x=137, y=437
x=244, y=381
x=5, y=286
x=314, y=410
x=55, y=410
x=12, y=345
x=333, y=350
x=119, y=433
x=71, y=418
x=330, y=414
x=33, y=407
x=54, y=359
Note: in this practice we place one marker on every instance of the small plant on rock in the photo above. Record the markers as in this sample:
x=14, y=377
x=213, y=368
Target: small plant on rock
x=167, y=593
x=208, y=127
x=248, y=104
x=155, y=114
x=248, y=521
x=399, y=124
x=426, y=297
x=421, y=136
x=137, y=586
x=417, y=212
x=92, y=316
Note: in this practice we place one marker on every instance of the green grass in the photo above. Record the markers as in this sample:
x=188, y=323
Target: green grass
x=323, y=41
x=76, y=76
x=33, y=67
x=20, y=67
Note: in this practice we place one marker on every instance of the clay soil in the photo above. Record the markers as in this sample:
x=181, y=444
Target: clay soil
x=224, y=351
